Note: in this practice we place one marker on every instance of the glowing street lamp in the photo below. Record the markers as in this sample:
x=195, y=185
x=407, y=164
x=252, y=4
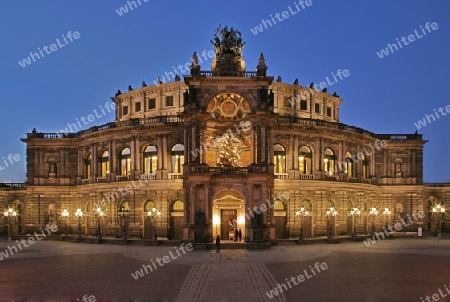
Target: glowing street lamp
x=65, y=214
x=9, y=214
x=99, y=214
x=79, y=214
x=154, y=213
x=354, y=212
x=386, y=214
x=331, y=214
x=122, y=215
x=439, y=210
x=302, y=212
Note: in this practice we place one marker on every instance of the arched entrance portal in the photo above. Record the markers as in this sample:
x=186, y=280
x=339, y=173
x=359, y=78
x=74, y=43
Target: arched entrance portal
x=228, y=214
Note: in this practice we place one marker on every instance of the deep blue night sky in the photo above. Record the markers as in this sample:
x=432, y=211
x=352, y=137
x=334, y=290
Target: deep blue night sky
x=382, y=95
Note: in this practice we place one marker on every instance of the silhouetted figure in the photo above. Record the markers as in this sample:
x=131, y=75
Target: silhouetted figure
x=240, y=235
x=218, y=244
x=235, y=234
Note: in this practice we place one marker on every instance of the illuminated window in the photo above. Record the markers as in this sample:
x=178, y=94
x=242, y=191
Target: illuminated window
x=177, y=158
x=150, y=159
x=279, y=158
x=328, y=161
x=104, y=164
x=349, y=165
x=365, y=167
x=87, y=166
x=305, y=160
x=125, y=161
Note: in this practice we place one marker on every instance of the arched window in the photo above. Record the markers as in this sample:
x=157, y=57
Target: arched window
x=279, y=158
x=178, y=206
x=150, y=159
x=349, y=165
x=124, y=206
x=278, y=205
x=125, y=161
x=328, y=161
x=365, y=167
x=177, y=158
x=149, y=206
x=104, y=164
x=305, y=160
x=87, y=166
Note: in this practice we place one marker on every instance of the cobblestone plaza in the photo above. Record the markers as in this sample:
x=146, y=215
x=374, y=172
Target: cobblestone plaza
x=391, y=270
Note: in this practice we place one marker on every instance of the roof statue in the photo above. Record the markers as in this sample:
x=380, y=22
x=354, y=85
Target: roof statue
x=227, y=42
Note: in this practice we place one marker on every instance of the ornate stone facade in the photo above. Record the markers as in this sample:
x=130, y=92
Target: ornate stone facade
x=161, y=153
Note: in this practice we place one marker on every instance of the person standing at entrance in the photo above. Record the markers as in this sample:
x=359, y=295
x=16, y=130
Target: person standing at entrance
x=235, y=234
x=240, y=235
x=217, y=244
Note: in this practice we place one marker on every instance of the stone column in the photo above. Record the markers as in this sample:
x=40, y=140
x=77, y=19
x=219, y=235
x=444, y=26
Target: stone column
x=159, y=152
x=186, y=145
x=295, y=157
x=138, y=154
x=202, y=145
x=164, y=151
x=112, y=159
x=80, y=162
x=270, y=145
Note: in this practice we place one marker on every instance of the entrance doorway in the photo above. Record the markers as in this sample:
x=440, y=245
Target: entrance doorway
x=228, y=213
x=227, y=224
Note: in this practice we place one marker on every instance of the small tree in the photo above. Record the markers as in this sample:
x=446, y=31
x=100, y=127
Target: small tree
x=229, y=155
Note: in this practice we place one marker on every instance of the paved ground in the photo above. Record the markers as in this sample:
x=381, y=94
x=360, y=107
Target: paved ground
x=390, y=270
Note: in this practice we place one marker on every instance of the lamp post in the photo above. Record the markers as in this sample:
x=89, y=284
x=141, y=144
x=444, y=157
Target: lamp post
x=79, y=214
x=99, y=214
x=374, y=213
x=331, y=214
x=8, y=214
x=302, y=212
x=154, y=213
x=354, y=212
x=122, y=215
x=439, y=210
x=65, y=214
x=386, y=214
